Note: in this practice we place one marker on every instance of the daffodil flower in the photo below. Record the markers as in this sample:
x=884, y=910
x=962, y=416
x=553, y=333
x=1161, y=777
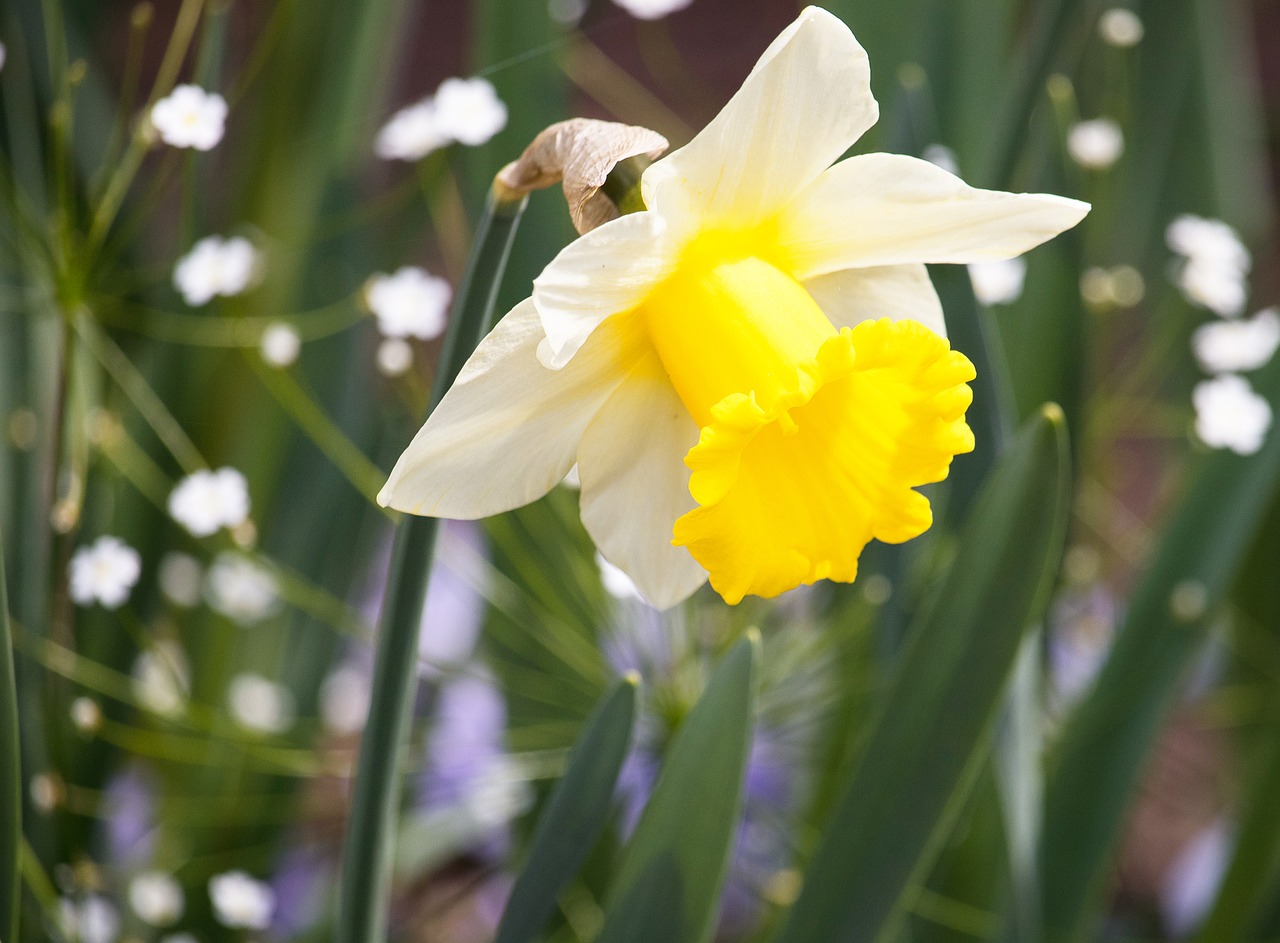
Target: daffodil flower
x=752, y=374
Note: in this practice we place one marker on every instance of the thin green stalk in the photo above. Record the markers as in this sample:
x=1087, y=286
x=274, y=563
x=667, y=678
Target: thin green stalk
x=368, y=849
x=10, y=782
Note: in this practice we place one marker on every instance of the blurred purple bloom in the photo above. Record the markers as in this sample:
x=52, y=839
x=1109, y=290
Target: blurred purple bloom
x=301, y=884
x=129, y=809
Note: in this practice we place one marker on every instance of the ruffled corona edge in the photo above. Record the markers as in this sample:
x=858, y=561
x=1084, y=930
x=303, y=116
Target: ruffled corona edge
x=790, y=491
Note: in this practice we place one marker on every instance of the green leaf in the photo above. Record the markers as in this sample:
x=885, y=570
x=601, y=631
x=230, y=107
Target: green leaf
x=1106, y=742
x=10, y=782
x=932, y=733
x=668, y=887
x=576, y=813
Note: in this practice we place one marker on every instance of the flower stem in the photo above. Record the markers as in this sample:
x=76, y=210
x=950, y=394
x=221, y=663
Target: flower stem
x=367, y=854
x=10, y=782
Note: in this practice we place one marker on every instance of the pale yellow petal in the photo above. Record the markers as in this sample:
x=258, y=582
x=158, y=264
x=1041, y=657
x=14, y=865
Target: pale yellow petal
x=607, y=271
x=508, y=429
x=898, y=292
x=805, y=102
x=635, y=484
x=887, y=209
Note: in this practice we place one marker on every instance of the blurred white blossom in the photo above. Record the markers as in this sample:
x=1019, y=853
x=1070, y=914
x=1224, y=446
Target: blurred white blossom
x=241, y=588
x=162, y=678
x=260, y=704
x=1220, y=288
x=216, y=266
x=468, y=111
x=394, y=357
x=1191, y=884
x=1237, y=346
x=1230, y=415
x=86, y=714
x=156, y=897
x=410, y=303
x=206, y=501
x=105, y=571
x=998, y=282
x=1120, y=27
x=652, y=9
x=1214, y=264
x=280, y=344
x=1095, y=144
x=190, y=117
x=411, y=134
x=1209, y=240
x=344, y=700
x=241, y=901
x=94, y=919
x=180, y=578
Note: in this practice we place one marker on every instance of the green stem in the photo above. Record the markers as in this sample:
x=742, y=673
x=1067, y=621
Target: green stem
x=10, y=782
x=367, y=853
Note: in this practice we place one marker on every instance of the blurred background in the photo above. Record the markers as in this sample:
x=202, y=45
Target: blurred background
x=218, y=328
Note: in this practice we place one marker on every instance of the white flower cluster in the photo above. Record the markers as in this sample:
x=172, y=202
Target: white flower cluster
x=216, y=266
x=1212, y=272
x=410, y=303
x=998, y=282
x=206, y=501
x=104, y=572
x=240, y=900
x=652, y=9
x=467, y=111
x=190, y=117
x=1095, y=144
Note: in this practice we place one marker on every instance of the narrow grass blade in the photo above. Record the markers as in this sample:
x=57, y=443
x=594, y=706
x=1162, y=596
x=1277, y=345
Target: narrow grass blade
x=668, y=888
x=1106, y=743
x=10, y=777
x=576, y=814
x=932, y=734
x=367, y=851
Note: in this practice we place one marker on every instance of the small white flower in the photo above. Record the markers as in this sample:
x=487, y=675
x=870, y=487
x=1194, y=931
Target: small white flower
x=92, y=920
x=344, y=700
x=1237, y=346
x=180, y=579
x=260, y=704
x=1207, y=240
x=86, y=714
x=190, y=117
x=394, y=357
x=410, y=303
x=280, y=344
x=616, y=583
x=46, y=791
x=942, y=156
x=105, y=572
x=998, y=283
x=652, y=9
x=1230, y=415
x=241, y=589
x=1216, y=285
x=1096, y=144
x=162, y=678
x=411, y=134
x=156, y=897
x=206, y=501
x=241, y=901
x=469, y=110
x=1120, y=27
x=216, y=266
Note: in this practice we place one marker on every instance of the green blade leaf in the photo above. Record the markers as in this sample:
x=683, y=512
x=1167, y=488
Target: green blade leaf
x=668, y=887
x=1106, y=742
x=10, y=782
x=932, y=734
x=575, y=815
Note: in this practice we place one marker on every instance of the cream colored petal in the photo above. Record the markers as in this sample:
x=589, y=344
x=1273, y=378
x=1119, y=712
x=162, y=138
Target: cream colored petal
x=890, y=291
x=887, y=209
x=805, y=102
x=607, y=271
x=635, y=484
x=508, y=429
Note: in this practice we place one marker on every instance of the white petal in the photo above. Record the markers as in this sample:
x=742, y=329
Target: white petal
x=635, y=484
x=805, y=102
x=892, y=291
x=508, y=430
x=609, y=270
x=887, y=209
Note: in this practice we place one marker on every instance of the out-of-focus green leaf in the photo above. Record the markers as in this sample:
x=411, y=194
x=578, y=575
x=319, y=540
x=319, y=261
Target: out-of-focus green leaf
x=931, y=735
x=1106, y=743
x=575, y=815
x=668, y=887
x=10, y=777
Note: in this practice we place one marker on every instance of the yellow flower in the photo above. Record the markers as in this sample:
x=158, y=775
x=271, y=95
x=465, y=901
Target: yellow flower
x=752, y=375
